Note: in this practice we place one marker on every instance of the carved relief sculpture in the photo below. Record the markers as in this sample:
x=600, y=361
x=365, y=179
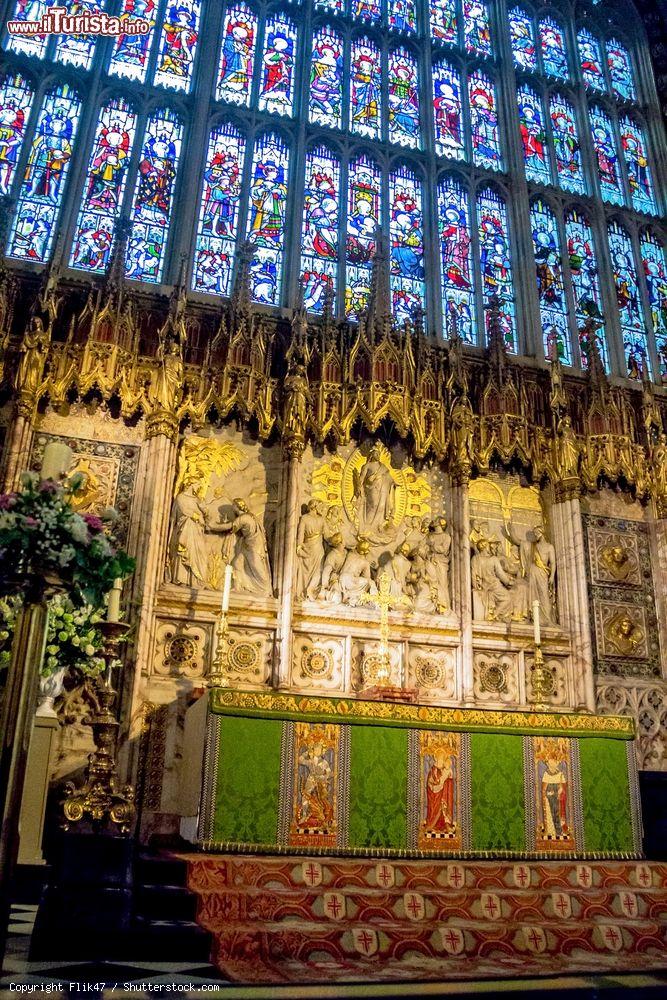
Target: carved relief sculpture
x=310, y=552
x=250, y=559
x=538, y=567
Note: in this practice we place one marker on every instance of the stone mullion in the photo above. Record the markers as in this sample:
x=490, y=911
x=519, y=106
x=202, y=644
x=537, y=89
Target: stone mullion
x=297, y=170
x=148, y=544
x=462, y=585
x=645, y=304
x=285, y=562
x=572, y=587
x=433, y=319
x=655, y=127
x=612, y=320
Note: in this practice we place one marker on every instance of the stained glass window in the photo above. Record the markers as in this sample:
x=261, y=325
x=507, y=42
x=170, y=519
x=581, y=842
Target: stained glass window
x=77, y=50
x=365, y=89
x=620, y=70
x=45, y=174
x=566, y=145
x=326, y=79
x=239, y=36
x=406, y=233
x=219, y=211
x=458, y=293
x=16, y=97
x=636, y=162
x=496, y=260
x=627, y=297
x=655, y=272
x=276, y=92
x=366, y=10
x=131, y=51
x=336, y=6
x=522, y=39
x=178, y=44
x=402, y=16
x=363, y=218
x=449, y=139
x=31, y=45
x=319, y=244
x=104, y=186
x=604, y=145
x=443, y=21
x=590, y=56
x=403, y=99
x=476, y=27
x=533, y=136
x=582, y=260
x=266, y=219
x=153, y=195
x=550, y=285
x=552, y=47
x=484, y=121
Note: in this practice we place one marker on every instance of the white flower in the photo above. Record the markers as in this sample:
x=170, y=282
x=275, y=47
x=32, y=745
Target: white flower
x=78, y=528
x=89, y=650
x=66, y=555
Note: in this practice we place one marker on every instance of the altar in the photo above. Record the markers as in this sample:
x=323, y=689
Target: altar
x=288, y=773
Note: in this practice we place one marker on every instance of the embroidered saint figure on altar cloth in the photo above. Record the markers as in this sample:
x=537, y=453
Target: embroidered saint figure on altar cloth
x=553, y=794
x=315, y=778
x=439, y=779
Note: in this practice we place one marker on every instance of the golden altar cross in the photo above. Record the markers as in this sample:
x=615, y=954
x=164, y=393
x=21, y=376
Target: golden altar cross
x=386, y=602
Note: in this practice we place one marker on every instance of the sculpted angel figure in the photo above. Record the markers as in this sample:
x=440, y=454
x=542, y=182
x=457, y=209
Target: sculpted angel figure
x=374, y=488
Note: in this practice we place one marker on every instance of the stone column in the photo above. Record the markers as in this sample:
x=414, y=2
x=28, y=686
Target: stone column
x=462, y=580
x=17, y=446
x=658, y=548
x=285, y=557
x=572, y=587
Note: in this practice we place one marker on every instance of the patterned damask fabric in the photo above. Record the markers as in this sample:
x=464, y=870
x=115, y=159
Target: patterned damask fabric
x=497, y=793
x=605, y=795
x=378, y=787
x=248, y=786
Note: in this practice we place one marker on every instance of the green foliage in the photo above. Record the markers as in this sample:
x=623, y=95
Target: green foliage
x=73, y=640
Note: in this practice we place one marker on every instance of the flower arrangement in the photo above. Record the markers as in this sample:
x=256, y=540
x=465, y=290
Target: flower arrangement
x=41, y=534
x=73, y=641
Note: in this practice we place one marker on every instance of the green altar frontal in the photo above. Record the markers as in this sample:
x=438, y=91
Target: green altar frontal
x=295, y=774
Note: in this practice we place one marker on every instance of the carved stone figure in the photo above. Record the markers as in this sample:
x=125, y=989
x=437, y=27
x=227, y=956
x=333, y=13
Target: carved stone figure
x=33, y=350
x=333, y=564
x=440, y=544
x=463, y=422
x=538, y=566
x=374, y=490
x=310, y=552
x=518, y=597
x=355, y=576
x=567, y=449
x=167, y=387
x=250, y=562
x=187, y=557
x=296, y=402
x=398, y=569
x=491, y=599
x=422, y=582
x=414, y=535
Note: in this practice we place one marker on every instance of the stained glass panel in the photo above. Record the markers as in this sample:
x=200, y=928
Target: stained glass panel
x=522, y=39
x=77, y=50
x=178, y=44
x=552, y=47
x=627, y=297
x=655, y=272
x=131, y=51
x=104, y=186
x=620, y=70
x=443, y=21
x=585, y=275
x=31, y=45
x=604, y=145
x=533, y=136
x=550, y=285
x=365, y=89
x=366, y=10
x=336, y=6
x=566, y=145
x=449, y=140
x=484, y=121
x=403, y=99
x=16, y=97
x=266, y=219
x=276, y=92
x=153, y=195
x=326, y=79
x=590, y=56
x=363, y=218
x=636, y=162
x=476, y=27
x=219, y=211
x=496, y=260
x=239, y=36
x=45, y=174
x=458, y=293
x=406, y=233
x=319, y=244
x=402, y=16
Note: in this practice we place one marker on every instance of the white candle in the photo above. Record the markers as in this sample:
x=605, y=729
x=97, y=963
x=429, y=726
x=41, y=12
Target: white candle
x=227, y=588
x=536, y=622
x=56, y=461
x=113, y=601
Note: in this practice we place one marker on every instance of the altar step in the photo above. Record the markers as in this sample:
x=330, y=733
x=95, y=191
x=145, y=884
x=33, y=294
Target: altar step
x=279, y=919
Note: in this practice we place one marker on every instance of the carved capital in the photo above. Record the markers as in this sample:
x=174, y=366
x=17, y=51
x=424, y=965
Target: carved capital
x=568, y=488
x=293, y=448
x=162, y=423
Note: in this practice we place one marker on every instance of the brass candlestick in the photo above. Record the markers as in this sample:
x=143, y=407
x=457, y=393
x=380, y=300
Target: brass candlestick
x=101, y=799
x=219, y=675
x=542, y=681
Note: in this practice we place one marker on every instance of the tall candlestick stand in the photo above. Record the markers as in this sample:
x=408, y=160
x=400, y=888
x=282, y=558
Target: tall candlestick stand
x=219, y=675
x=542, y=681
